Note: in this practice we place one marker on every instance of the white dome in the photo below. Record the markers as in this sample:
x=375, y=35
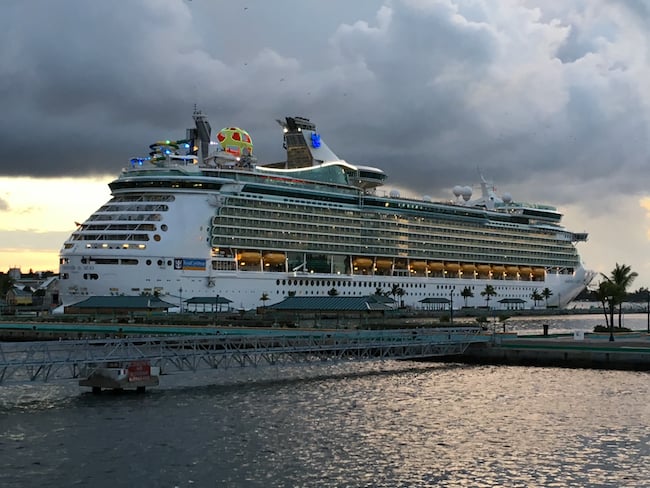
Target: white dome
x=394, y=194
x=507, y=197
x=466, y=192
x=426, y=198
x=458, y=190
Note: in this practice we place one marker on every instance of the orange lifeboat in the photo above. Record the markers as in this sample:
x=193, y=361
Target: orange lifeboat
x=539, y=272
x=362, y=262
x=249, y=256
x=383, y=263
x=526, y=270
x=512, y=270
x=484, y=269
x=498, y=269
x=274, y=258
x=469, y=268
x=452, y=267
x=436, y=266
x=419, y=266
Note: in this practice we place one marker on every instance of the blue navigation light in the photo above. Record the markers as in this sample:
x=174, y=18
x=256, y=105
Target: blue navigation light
x=315, y=139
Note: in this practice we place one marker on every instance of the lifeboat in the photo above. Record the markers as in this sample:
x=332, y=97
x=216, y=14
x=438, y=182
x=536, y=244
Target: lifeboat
x=362, y=262
x=274, y=258
x=539, y=272
x=512, y=270
x=484, y=269
x=436, y=266
x=468, y=268
x=452, y=267
x=498, y=269
x=249, y=257
x=526, y=270
x=384, y=263
x=419, y=266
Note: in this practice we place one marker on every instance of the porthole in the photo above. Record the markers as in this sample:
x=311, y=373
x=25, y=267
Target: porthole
x=156, y=237
x=163, y=227
x=148, y=262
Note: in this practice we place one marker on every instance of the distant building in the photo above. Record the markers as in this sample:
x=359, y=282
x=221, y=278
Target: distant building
x=19, y=296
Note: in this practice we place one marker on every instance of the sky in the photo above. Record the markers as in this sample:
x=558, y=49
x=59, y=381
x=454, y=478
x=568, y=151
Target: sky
x=548, y=99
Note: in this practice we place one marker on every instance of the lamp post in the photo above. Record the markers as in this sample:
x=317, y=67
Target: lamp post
x=216, y=304
x=180, y=300
x=648, y=310
x=451, y=305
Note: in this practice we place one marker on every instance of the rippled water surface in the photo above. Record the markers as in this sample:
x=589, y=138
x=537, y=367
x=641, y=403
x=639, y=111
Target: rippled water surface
x=364, y=424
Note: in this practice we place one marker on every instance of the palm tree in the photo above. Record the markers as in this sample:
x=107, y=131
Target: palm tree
x=333, y=292
x=546, y=294
x=264, y=298
x=609, y=292
x=467, y=293
x=622, y=277
x=379, y=292
x=536, y=296
x=397, y=290
x=488, y=293
x=400, y=294
x=601, y=295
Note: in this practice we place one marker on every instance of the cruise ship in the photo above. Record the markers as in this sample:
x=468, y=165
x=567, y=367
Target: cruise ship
x=200, y=218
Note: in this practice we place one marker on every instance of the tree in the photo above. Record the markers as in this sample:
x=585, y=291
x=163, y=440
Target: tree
x=333, y=292
x=397, y=290
x=601, y=295
x=622, y=277
x=6, y=284
x=546, y=294
x=264, y=298
x=609, y=292
x=400, y=294
x=467, y=293
x=379, y=292
x=536, y=296
x=488, y=293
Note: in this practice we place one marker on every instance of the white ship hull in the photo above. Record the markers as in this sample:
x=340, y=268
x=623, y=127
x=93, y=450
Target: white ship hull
x=245, y=289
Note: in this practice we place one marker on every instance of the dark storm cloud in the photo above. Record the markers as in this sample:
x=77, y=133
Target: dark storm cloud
x=538, y=95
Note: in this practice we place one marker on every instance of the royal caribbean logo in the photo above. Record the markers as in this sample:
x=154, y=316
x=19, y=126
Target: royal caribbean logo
x=189, y=264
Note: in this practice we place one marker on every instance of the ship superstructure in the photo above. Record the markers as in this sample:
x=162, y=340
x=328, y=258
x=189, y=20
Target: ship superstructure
x=202, y=218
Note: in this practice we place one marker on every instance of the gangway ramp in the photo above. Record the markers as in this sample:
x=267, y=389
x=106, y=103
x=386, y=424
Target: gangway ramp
x=229, y=348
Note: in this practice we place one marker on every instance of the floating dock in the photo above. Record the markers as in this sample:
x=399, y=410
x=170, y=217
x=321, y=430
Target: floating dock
x=630, y=351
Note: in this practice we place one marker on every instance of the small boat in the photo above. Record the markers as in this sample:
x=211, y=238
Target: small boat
x=133, y=375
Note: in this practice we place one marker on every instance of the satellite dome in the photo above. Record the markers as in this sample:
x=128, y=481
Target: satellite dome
x=458, y=191
x=394, y=194
x=426, y=198
x=507, y=197
x=466, y=192
x=235, y=141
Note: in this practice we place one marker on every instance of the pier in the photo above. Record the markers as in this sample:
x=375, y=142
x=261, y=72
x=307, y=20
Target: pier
x=221, y=348
x=629, y=351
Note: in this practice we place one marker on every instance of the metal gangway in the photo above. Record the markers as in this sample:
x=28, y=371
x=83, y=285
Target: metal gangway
x=228, y=348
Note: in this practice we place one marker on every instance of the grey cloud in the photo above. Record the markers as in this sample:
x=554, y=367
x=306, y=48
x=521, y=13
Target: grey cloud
x=429, y=91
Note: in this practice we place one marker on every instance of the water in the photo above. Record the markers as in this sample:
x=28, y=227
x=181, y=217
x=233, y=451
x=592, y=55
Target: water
x=390, y=424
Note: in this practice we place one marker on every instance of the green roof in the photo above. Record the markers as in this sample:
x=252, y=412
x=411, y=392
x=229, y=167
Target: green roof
x=208, y=300
x=138, y=302
x=435, y=300
x=335, y=303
